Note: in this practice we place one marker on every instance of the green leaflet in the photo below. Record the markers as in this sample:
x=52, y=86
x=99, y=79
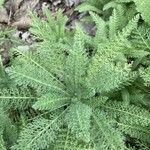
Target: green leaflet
x=130, y=114
x=78, y=120
x=51, y=101
x=87, y=7
x=135, y=131
x=33, y=74
x=38, y=134
x=92, y=5
x=143, y=7
x=7, y=130
x=2, y=144
x=16, y=98
x=67, y=141
x=104, y=132
x=53, y=27
x=105, y=76
x=101, y=34
x=76, y=63
x=145, y=74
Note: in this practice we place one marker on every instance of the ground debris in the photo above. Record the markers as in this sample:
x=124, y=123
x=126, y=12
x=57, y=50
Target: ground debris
x=4, y=18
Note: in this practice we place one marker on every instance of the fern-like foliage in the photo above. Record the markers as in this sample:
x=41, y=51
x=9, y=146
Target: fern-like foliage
x=41, y=131
x=90, y=5
x=78, y=120
x=143, y=8
x=15, y=98
x=107, y=76
x=104, y=126
x=51, y=30
x=7, y=130
x=77, y=98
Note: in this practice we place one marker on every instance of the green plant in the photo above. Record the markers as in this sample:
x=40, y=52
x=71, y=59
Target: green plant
x=78, y=99
x=90, y=5
x=130, y=7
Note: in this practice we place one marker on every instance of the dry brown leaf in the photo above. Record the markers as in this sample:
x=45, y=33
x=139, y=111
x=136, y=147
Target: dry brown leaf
x=4, y=52
x=70, y=3
x=13, y=5
x=55, y=3
x=5, y=56
x=16, y=4
x=4, y=18
x=23, y=23
x=69, y=12
x=28, y=5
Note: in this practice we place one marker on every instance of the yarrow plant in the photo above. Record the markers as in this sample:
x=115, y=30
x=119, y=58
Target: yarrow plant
x=72, y=91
